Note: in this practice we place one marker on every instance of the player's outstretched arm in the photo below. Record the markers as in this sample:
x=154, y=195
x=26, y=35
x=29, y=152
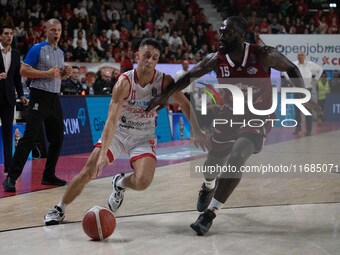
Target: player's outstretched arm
x=119, y=93
x=205, y=66
x=272, y=58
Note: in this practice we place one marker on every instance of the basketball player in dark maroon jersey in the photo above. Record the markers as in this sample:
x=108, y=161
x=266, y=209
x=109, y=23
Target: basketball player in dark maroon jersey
x=249, y=65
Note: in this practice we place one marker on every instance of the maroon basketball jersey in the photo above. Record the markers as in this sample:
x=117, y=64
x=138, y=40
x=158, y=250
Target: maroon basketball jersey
x=249, y=74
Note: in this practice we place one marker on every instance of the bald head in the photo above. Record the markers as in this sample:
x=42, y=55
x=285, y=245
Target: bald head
x=52, y=22
x=301, y=56
x=185, y=65
x=53, y=31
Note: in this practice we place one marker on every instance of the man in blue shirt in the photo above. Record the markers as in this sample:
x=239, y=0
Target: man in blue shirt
x=44, y=64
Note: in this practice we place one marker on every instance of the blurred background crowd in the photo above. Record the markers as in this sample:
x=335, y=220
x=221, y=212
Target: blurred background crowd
x=107, y=31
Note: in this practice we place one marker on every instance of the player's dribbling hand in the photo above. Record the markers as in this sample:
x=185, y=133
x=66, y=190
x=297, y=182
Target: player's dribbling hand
x=159, y=100
x=201, y=140
x=102, y=162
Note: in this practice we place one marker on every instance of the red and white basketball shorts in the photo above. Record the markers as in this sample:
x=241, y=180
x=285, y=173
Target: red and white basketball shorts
x=136, y=147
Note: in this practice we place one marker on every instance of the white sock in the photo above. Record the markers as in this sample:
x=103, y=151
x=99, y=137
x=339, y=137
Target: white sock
x=215, y=205
x=209, y=185
x=120, y=182
x=62, y=206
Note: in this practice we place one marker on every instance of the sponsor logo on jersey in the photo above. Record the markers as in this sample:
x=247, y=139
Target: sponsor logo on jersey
x=252, y=70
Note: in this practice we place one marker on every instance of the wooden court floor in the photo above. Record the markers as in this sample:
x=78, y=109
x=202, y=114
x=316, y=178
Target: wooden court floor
x=267, y=214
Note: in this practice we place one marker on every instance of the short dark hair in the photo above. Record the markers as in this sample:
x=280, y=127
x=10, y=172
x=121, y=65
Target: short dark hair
x=2, y=28
x=152, y=42
x=75, y=67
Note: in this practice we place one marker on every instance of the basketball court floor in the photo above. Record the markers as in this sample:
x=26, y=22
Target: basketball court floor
x=296, y=213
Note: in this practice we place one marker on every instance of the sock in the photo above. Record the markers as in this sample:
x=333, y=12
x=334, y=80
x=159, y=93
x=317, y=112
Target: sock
x=120, y=182
x=62, y=206
x=209, y=185
x=215, y=205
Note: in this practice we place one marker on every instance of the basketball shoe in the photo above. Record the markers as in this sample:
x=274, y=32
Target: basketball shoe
x=117, y=195
x=202, y=225
x=204, y=197
x=54, y=216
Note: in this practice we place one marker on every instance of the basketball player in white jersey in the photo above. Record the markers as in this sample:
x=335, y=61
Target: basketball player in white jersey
x=129, y=128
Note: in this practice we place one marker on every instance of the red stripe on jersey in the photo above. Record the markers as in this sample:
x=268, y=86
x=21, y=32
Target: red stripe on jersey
x=109, y=153
x=127, y=77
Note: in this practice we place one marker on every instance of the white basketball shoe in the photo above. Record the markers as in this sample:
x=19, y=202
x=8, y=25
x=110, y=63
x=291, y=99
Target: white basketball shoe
x=117, y=195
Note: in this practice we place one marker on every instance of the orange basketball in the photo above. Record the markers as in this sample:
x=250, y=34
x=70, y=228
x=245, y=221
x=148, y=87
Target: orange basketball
x=99, y=223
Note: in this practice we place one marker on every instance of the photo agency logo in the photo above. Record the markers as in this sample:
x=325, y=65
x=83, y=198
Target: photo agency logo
x=242, y=104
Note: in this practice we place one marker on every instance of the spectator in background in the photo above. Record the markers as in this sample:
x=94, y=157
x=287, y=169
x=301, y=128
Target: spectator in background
x=203, y=51
x=197, y=58
x=334, y=26
x=323, y=88
x=78, y=29
x=7, y=20
x=118, y=5
x=108, y=58
x=264, y=26
x=211, y=36
x=317, y=17
x=274, y=26
x=72, y=86
x=125, y=62
x=95, y=42
x=114, y=78
x=90, y=79
x=200, y=16
x=67, y=9
x=19, y=34
x=161, y=23
x=30, y=38
x=127, y=22
x=185, y=69
x=103, y=85
x=69, y=56
x=149, y=25
x=80, y=9
x=92, y=55
x=129, y=5
x=174, y=41
x=308, y=70
x=79, y=53
x=335, y=82
x=301, y=8
x=170, y=13
x=300, y=26
x=323, y=26
x=80, y=39
x=124, y=35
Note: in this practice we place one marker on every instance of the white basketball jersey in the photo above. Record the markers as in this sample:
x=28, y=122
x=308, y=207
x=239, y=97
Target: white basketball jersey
x=134, y=119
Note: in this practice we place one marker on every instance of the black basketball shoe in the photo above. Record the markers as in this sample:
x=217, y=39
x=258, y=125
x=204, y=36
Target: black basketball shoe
x=202, y=225
x=204, y=197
